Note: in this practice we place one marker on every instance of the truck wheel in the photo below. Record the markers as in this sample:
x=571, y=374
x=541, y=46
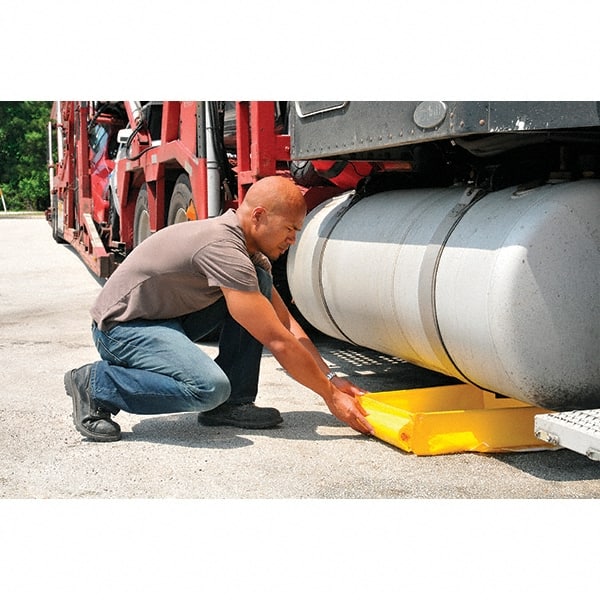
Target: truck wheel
x=180, y=201
x=141, y=219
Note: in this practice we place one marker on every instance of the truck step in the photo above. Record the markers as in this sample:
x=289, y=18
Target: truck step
x=577, y=430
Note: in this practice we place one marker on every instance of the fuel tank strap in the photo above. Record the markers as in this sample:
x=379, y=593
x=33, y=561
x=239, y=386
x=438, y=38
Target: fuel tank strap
x=428, y=277
x=326, y=235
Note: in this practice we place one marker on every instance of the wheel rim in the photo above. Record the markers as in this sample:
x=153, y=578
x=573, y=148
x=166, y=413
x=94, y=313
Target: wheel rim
x=180, y=216
x=143, y=226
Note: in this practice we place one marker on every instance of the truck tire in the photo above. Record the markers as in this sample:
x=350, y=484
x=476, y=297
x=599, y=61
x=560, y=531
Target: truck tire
x=141, y=219
x=180, y=201
x=304, y=174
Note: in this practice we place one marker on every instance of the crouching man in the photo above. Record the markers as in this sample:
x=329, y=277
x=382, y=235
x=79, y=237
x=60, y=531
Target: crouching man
x=179, y=285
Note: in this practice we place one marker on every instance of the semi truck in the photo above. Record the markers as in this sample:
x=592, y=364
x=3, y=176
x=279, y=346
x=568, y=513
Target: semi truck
x=463, y=237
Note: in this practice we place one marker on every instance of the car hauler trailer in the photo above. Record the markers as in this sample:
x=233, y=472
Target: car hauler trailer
x=463, y=237
x=121, y=170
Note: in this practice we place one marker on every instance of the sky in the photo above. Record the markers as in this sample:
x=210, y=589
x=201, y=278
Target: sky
x=379, y=50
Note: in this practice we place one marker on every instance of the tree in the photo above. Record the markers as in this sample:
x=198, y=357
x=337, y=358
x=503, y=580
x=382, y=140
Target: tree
x=23, y=149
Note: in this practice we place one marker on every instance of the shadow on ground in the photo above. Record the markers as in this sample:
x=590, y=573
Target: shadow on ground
x=184, y=430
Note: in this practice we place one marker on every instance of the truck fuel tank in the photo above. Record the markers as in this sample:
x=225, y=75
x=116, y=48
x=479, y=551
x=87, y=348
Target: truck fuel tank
x=499, y=290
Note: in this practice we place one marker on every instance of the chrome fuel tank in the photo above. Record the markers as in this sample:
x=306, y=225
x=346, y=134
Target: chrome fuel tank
x=501, y=291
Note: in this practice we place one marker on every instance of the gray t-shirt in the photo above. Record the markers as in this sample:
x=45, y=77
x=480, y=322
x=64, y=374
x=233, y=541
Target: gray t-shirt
x=179, y=270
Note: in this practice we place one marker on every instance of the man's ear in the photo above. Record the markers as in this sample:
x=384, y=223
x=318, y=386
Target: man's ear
x=258, y=213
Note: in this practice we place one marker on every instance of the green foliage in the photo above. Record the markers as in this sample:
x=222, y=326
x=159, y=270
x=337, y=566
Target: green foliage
x=23, y=149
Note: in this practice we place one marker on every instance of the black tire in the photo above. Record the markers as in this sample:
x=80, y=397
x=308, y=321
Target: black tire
x=180, y=201
x=141, y=219
x=304, y=174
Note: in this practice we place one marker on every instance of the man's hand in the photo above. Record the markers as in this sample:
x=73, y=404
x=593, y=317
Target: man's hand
x=349, y=410
x=346, y=386
x=354, y=412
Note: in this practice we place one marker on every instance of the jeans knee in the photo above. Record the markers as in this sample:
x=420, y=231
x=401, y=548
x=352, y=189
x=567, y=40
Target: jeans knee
x=212, y=394
x=222, y=390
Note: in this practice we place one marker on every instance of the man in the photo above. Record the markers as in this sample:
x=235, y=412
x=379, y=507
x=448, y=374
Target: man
x=183, y=282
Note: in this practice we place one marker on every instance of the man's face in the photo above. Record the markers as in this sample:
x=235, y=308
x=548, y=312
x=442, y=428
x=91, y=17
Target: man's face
x=275, y=232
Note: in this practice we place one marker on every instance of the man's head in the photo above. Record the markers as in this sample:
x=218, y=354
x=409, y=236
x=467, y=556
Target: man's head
x=271, y=214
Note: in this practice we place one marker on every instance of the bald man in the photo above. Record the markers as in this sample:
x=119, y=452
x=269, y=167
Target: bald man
x=179, y=285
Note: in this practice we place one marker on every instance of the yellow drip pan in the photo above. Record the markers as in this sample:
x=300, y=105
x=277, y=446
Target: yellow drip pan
x=451, y=419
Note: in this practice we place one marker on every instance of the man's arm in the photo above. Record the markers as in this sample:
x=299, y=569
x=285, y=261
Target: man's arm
x=259, y=317
x=298, y=332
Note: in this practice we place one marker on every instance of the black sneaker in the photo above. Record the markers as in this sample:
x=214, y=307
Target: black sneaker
x=90, y=420
x=246, y=416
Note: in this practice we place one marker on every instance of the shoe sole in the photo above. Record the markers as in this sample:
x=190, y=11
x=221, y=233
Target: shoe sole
x=232, y=423
x=72, y=392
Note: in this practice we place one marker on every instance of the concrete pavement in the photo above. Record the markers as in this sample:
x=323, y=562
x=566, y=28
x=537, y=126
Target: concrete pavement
x=225, y=522
x=45, y=294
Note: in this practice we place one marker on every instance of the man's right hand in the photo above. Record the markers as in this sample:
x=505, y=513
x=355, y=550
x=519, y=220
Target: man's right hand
x=350, y=411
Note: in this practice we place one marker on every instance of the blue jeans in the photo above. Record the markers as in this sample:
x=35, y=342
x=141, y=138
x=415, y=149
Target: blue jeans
x=154, y=367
